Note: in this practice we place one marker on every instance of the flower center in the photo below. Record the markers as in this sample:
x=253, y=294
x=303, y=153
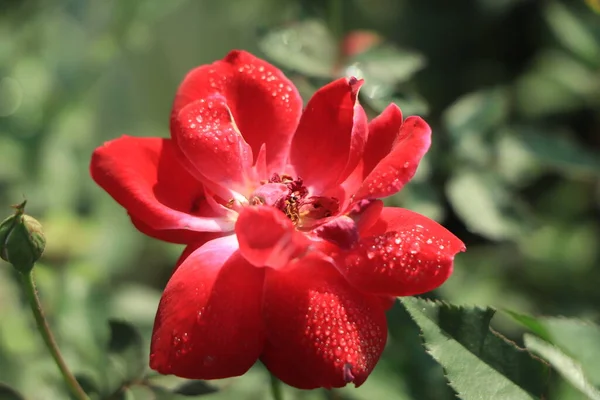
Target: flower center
x=292, y=197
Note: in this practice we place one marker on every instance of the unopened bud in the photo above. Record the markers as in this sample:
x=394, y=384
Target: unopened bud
x=22, y=240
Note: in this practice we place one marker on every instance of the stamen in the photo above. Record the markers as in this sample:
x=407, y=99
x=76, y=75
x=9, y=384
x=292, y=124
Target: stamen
x=290, y=196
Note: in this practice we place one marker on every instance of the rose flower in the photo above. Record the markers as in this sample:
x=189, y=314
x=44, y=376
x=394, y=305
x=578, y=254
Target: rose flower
x=291, y=257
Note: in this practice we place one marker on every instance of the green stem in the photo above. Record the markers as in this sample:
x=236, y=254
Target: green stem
x=276, y=388
x=44, y=329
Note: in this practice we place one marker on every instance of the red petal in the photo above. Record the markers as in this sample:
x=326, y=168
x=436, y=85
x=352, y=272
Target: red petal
x=208, y=324
x=399, y=166
x=176, y=235
x=265, y=104
x=331, y=135
x=145, y=177
x=267, y=237
x=365, y=213
x=342, y=231
x=403, y=254
x=387, y=302
x=208, y=137
x=321, y=332
x=383, y=131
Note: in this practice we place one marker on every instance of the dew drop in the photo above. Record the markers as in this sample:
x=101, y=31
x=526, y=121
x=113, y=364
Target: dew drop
x=338, y=351
x=415, y=248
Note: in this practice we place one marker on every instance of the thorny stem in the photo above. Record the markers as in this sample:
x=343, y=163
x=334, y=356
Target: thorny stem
x=276, y=388
x=44, y=329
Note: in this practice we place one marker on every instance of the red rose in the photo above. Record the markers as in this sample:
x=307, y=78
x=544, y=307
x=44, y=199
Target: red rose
x=291, y=259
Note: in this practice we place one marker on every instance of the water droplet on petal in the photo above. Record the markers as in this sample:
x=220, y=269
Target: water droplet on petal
x=415, y=248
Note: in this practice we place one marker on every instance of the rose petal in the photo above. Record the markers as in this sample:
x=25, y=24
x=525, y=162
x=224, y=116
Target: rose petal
x=387, y=301
x=365, y=213
x=344, y=231
x=264, y=103
x=383, y=131
x=321, y=332
x=175, y=235
x=331, y=135
x=399, y=166
x=340, y=231
x=267, y=237
x=208, y=137
x=208, y=324
x=145, y=177
x=403, y=254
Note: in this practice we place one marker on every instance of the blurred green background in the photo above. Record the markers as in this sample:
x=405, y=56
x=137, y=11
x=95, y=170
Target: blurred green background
x=510, y=87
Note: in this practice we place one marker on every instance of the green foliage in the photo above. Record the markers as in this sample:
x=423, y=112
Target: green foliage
x=561, y=332
x=558, y=152
x=306, y=47
x=570, y=369
x=479, y=363
x=484, y=204
x=125, y=352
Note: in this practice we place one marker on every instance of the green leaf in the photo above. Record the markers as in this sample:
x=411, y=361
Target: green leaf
x=532, y=323
x=479, y=363
x=477, y=113
x=515, y=165
x=471, y=121
x=570, y=369
x=306, y=47
x=561, y=332
x=125, y=351
x=385, y=65
x=8, y=393
x=410, y=103
x=484, y=204
x=560, y=152
x=579, y=339
x=556, y=83
x=572, y=32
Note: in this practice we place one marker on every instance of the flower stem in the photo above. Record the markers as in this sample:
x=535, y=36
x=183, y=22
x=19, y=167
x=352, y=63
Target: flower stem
x=44, y=329
x=276, y=388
